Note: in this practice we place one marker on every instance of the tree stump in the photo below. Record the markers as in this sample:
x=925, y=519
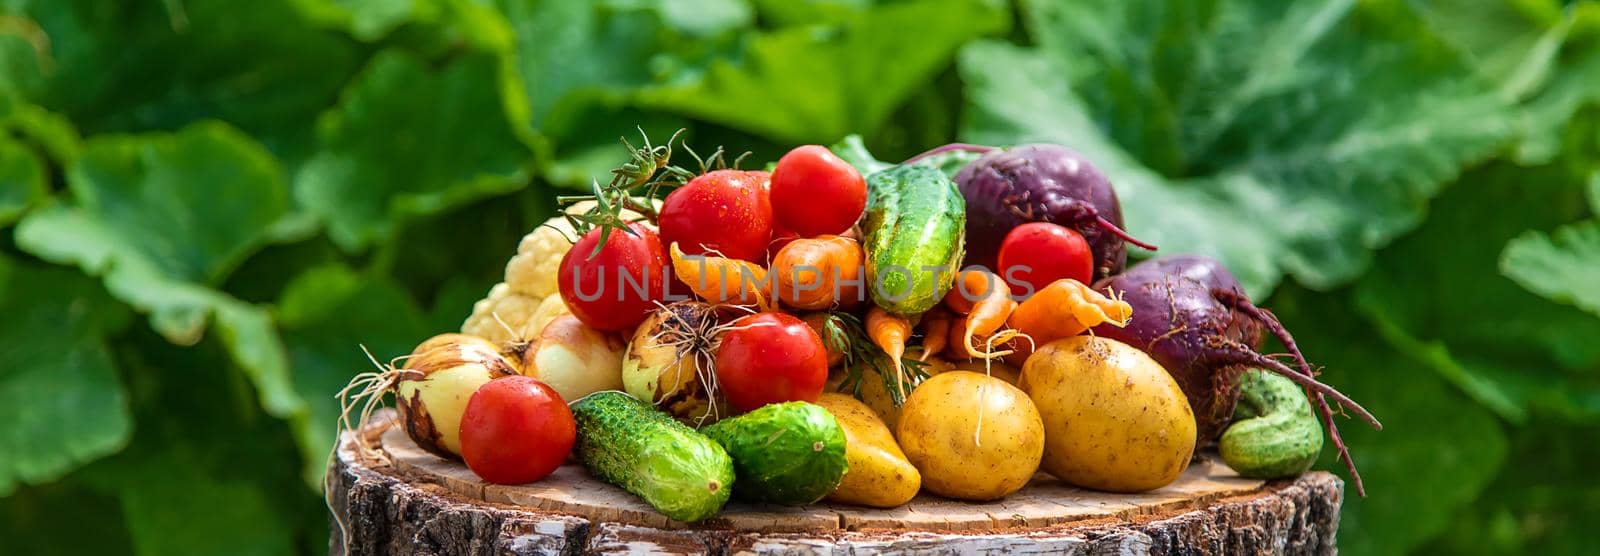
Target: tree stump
x=401, y=500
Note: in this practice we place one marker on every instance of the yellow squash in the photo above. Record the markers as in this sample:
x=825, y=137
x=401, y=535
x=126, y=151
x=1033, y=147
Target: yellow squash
x=879, y=475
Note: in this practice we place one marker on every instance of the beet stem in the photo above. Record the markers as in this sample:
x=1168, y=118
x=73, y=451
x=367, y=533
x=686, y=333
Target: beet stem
x=1338, y=443
x=1250, y=357
x=968, y=147
x=1122, y=234
x=1270, y=320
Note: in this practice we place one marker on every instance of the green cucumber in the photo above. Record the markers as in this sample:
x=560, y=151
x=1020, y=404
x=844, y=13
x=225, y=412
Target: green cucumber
x=1274, y=431
x=914, y=230
x=625, y=442
x=789, y=453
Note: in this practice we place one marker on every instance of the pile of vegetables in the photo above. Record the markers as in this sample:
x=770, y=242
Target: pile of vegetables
x=809, y=332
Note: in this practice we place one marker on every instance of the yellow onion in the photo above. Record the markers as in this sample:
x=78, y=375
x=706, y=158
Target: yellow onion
x=668, y=358
x=573, y=358
x=435, y=383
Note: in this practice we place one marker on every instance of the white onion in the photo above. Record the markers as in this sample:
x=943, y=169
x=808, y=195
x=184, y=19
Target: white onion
x=437, y=380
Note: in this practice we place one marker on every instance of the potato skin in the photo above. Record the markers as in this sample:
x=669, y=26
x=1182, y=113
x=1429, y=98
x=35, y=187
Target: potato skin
x=879, y=475
x=938, y=426
x=1114, y=420
x=998, y=369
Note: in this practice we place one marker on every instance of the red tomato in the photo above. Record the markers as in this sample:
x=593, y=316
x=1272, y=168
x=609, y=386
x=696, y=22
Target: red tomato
x=619, y=286
x=814, y=192
x=516, y=430
x=770, y=358
x=727, y=211
x=1038, y=253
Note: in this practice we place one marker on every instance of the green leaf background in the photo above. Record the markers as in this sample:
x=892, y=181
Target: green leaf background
x=209, y=207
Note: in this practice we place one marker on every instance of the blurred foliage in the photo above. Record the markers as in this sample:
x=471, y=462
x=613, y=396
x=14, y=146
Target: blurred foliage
x=209, y=206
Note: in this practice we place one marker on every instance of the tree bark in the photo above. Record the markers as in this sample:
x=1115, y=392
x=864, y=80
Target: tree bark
x=396, y=502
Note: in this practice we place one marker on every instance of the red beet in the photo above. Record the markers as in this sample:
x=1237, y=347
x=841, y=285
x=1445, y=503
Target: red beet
x=1191, y=315
x=1008, y=187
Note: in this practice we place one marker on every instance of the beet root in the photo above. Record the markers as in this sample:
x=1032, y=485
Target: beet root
x=1008, y=187
x=1192, y=316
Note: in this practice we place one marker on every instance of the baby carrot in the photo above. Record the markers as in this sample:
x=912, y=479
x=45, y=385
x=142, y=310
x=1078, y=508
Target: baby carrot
x=721, y=279
x=1067, y=307
x=988, y=304
x=890, y=332
x=935, y=331
x=971, y=286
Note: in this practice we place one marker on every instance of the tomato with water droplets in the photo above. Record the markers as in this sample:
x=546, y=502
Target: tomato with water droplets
x=723, y=211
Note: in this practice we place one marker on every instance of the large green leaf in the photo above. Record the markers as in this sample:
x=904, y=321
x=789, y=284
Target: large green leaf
x=576, y=64
x=50, y=133
x=1300, y=157
x=64, y=518
x=1437, y=449
x=1512, y=43
x=207, y=472
x=1540, y=53
x=571, y=53
x=21, y=54
x=60, y=398
x=329, y=315
x=1563, y=267
x=134, y=66
x=370, y=20
x=22, y=180
x=408, y=140
x=163, y=218
x=817, y=83
x=1546, y=505
x=1439, y=295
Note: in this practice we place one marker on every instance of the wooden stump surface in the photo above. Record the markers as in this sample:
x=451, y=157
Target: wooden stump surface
x=402, y=500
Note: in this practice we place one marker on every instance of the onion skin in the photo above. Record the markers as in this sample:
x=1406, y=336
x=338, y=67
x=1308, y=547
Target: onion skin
x=1009, y=187
x=664, y=375
x=436, y=383
x=574, y=358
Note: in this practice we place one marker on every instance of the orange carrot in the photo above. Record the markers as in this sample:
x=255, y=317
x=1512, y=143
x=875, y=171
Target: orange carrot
x=935, y=331
x=988, y=311
x=1066, y=307
x=721, y=279
x=890, y=332
x=971, y=286
x=819, y=273
x=954, y=349
x=1016, y=350
x=832, y=336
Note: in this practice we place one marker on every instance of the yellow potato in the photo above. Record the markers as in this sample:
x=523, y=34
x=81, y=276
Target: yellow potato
x=879, y=475
x=997, y=369
x=972, y=436
x=1113, y=418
